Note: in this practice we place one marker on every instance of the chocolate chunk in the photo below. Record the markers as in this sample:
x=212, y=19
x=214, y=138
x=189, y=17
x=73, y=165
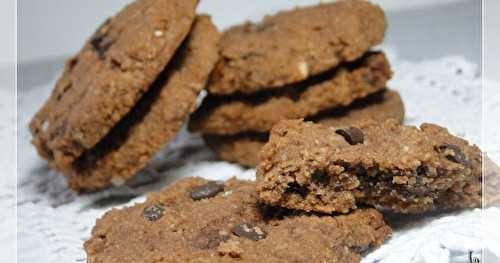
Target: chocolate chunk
x=295, y=188
x=421, y=170
x=101, y=44
x=207, y=190
x=320, y=177
x=249, y=231
x=154, y=212
x=453, y=153
x=352, y=135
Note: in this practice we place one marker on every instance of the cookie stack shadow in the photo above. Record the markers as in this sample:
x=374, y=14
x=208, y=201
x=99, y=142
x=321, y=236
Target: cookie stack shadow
x=290, y=66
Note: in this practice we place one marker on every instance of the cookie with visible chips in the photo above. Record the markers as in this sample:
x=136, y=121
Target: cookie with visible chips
x=151, y=122
x=244, y=148
x=102, y=83
x=228, y=225
x=155, y=119
x=405, y=169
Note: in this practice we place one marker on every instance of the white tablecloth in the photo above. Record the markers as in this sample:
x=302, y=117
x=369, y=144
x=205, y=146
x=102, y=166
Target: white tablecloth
x=54, y=222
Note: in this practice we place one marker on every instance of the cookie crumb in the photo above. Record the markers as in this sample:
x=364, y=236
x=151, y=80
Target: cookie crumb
x=230, y=248
x=303, y=69
x=117, y=181
x=158, y=33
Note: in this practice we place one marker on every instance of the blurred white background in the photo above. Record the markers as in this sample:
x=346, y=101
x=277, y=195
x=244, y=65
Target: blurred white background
x=52, y=28
x=492, y=39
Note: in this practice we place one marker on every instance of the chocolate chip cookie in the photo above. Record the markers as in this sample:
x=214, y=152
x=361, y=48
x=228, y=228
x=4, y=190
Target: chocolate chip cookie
x=104, y=81
x=152, y=121
x=195, y=220
x=313, y=167
x=293, y=45
x=259, y=112
x=155, y=119
x=244, y=148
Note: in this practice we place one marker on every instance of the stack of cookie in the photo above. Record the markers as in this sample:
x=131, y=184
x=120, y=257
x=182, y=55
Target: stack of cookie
x=127, y=92
x=313, y=63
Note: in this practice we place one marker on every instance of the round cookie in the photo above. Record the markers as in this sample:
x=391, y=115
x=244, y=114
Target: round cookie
x=259, y=112
x=292, y=45
x=156, y=118
x=107, y=77
x=244, y=148
x=194, y=220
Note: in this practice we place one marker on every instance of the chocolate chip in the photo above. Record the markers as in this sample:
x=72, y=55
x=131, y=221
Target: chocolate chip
x=249, y=231
x=320, y=177
x=207, y=190
x=352, y=135
x=453, y=153
x=359, y=170
x=154, y=212
x=295, y=188
x=101, y=44
x=421, y=170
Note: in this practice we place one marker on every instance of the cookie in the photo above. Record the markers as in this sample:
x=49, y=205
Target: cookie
x=155, y=119
x=244, y=148
x=195, y=220
x=107, y=77
x=290, y=46
x=241, y=148
x=313, y=167
x=259, y=112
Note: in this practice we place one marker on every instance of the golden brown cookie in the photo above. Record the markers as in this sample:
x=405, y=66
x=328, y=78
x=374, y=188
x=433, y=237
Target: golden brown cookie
x=103, y=82
x=290, y=46
x=314, y=167
x=244, y=148
x=195, y=220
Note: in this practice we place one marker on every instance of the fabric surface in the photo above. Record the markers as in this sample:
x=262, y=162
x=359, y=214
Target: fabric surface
x=54, y=222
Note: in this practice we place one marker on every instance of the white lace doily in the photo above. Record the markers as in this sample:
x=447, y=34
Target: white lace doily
x=54, y=222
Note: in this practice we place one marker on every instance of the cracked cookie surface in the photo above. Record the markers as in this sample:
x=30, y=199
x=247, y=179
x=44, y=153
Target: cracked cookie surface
x=313, y=167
